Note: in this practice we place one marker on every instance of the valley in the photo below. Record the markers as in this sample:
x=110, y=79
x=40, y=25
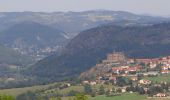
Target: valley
x=97, y=54
x=29, y=28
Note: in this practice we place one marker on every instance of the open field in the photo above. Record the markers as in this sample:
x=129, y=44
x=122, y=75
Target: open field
x=75, y=88
x=126, y=96
x=78, y=88
x=17, y=91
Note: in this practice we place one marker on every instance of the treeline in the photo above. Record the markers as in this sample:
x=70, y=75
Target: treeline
x=32, y=96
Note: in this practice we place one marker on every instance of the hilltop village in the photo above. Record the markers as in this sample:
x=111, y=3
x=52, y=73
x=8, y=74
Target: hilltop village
x=131, y=75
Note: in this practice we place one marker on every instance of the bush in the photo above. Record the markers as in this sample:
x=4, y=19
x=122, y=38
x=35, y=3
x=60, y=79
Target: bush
x=72, y=93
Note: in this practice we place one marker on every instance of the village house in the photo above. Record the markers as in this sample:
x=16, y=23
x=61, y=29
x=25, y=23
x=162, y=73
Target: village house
x=123, y=90
x=93, y=83
x=85, y=82
x=161, y=95
x=130, y=61
x=144, y=82
x=152, y=65
x=145, y=61
x=134, y=78
x=134, y=69
x=164, y=69
x=124, y=70
x=151, y=73
x=90, y=82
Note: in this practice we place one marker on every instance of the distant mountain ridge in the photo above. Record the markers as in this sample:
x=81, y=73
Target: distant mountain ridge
x=92, y=45
x=74, y=22
x=22, y=30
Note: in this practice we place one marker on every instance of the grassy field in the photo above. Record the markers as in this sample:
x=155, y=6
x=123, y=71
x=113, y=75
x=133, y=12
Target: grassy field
x=159, y=78
x=122, y=97
x=126, y=96
x=17, y=91
x=158, y=99
x=77, y=88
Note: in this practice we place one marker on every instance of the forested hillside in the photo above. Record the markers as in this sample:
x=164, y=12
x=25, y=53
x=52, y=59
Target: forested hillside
x=92, y=45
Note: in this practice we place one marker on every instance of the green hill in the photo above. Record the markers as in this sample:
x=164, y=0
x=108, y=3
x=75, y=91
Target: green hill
x=91, y=46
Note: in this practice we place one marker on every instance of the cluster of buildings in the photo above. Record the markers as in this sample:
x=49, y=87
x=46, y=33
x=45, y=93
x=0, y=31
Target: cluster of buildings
x=163, y=63
x=117, y=64
x=123, y=65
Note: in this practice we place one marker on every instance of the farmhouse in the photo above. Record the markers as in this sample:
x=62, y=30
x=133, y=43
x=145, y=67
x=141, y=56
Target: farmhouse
x=145, y=82
x=161, y=95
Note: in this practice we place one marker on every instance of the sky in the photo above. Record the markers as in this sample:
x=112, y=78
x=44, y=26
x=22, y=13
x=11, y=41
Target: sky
x=149, y=7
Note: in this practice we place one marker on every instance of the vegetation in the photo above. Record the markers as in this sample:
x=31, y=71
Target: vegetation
x=122, y=97
x=27, y=96
x=101, y=90
x=18, y=91
x=126, y=96
x=88, y=89
x=159, y=79
x=81, y=97
x=6, y=97
x=11, y=57
x=81, y=53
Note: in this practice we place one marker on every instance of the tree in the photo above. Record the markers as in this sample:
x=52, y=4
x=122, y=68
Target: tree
x=141, y=90
x=72, y=93
x=113, y=90
x=107, y=93
x=81, y=97
x=122, y=81
x=27, y=96
x=88, y=89
x=58, y=98
x=39, y=98
x=101, y=90
x=119, y=90
x=93, y=94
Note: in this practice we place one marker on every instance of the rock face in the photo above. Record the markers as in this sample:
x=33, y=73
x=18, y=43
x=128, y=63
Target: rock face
x=92, y=46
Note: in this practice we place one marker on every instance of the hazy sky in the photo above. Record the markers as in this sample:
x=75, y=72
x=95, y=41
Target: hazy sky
x=152, y=7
